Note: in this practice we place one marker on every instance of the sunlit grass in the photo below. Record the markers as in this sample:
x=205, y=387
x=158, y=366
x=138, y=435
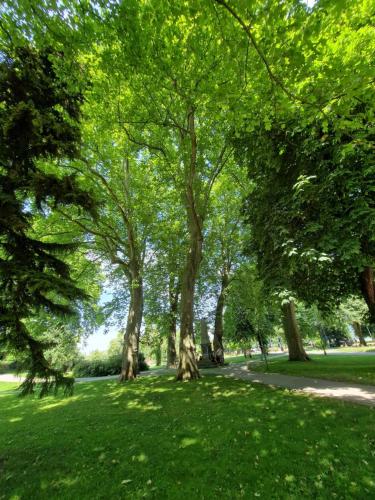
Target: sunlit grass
x=369, y=348
x=157, y=438
x=242, y=359
x=358, y=369
x=8, y=386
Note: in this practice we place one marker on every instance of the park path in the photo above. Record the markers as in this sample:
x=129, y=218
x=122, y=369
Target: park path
x=345, y=391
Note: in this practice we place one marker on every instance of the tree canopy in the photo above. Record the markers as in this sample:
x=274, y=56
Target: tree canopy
x=209, y=159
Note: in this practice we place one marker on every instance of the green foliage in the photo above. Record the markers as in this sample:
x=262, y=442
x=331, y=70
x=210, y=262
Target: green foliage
x=311, y=210
x=99, y=367
x=277, y=80
x=102, y=365
x=250, y=314
x=38, y=121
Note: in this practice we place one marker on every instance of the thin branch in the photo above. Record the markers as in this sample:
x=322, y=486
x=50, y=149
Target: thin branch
x=85, y=228
x=221, y=162
x=273, y=77
x=143, y=144
x=2, y=27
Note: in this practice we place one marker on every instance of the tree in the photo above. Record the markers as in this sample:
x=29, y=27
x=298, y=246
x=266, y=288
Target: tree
x=353, y=311
x=175, y=113
x=38, y=124
x=250, y=314
x=223, y=247
x=120, y=235
x=312, y=207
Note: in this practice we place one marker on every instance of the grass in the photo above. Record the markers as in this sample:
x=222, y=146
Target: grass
x=369, y=348
x=228, y=359
x=156, y=438
x=359, y=369
x=241, y=358
x=8, y=386
x=237, y=359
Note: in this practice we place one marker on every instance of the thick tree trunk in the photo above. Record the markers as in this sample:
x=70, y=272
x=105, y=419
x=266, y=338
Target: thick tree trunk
x=171, y=349
x=368, y=290
x=292, y=333
x=188, y=367
x=129, y=368
x=359, y=333
x=219, y=327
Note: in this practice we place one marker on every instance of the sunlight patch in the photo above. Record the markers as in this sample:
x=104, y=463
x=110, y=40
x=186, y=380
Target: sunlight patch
x=185, y=442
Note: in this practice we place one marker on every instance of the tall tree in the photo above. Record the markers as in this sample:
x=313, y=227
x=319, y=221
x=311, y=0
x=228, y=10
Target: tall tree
x=38, y=124
x=224, y=244
x=175, y=112
x=163, y=280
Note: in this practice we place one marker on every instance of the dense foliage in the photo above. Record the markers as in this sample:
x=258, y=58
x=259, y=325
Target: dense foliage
x=38, y=120
x=228, y=148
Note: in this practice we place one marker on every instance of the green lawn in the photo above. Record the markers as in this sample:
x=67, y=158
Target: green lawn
x=156, y=438
x=237, y=359
x=8, y=386
x=241, y=358
x=369, y=348
x=359, y=369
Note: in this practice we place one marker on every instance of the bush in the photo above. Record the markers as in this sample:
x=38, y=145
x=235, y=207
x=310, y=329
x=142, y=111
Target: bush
x=142, y=365
x=105, y=366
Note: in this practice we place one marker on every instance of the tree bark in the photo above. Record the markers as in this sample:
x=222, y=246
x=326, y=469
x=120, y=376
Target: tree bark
x=219, y=327
x=359, y=333
x=129, y=368
x=368, y=290
x=188, y=367
x=292, y=333
x=173, y=306
x=158, y=355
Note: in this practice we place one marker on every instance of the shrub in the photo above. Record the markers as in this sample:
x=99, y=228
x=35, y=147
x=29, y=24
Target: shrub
x=142, y=365
x=102, y=367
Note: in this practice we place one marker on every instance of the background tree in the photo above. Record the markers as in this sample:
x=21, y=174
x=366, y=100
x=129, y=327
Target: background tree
x=250, y=314
x=223, y=247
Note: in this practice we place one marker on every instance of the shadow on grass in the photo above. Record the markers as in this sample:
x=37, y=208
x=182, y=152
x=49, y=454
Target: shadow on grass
x=156, y=438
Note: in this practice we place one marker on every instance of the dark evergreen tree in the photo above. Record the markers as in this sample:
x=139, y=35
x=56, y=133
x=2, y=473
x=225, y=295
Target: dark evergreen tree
x=39, y=121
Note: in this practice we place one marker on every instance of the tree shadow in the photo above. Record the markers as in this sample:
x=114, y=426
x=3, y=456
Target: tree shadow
x=157, y=438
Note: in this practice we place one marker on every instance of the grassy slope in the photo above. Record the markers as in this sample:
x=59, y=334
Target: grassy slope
x=156, y=438
x=359, y=369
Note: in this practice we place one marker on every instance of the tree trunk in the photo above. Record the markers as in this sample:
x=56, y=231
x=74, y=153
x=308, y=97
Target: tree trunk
x=173, y=305
x=158, y=355
x=129, y=368
x=368, y=290
x=292, y=333
x=359, y=333
x=219, y=327
x=188, y=368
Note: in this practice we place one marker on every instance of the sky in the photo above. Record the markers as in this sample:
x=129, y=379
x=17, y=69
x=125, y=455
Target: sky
x=98, y=341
